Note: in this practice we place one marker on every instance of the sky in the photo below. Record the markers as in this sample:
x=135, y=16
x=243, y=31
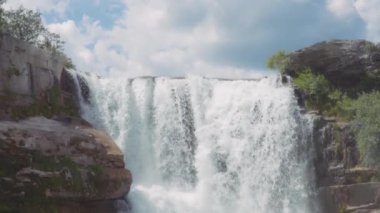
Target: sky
x=215, y=38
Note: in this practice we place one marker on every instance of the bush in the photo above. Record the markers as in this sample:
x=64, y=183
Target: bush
x=278, y=61
x=321, y=96
x=315, y=86
x=340, y=105
x=367, y=118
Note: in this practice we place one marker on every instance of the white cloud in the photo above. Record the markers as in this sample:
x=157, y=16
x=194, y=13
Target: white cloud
x=369, y=11
x=341, y=8
x=216, y=38
x=47, y=6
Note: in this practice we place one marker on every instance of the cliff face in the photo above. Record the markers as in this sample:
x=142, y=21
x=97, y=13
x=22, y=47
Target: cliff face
x=51, y=160
x=33, y=82
x=346, y=63
x=344, y=185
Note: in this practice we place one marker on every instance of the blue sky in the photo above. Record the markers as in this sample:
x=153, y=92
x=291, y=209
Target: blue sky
x=224, y=38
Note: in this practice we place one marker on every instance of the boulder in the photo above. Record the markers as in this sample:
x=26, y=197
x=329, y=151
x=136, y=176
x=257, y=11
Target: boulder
x=344, y=62
x=59, y=162
x=364, y=197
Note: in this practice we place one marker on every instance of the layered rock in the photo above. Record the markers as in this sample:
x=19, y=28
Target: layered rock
x=352, y=67
x=33, y=82
x=58, y=161
x=346, y=63
x=51, y=160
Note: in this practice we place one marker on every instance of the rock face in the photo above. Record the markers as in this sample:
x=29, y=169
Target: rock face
x=51, y=160
x=33, y=82
x=359, y=198
x=58, y=161
x=352, y=67
x=344, y=62
x=343, y=186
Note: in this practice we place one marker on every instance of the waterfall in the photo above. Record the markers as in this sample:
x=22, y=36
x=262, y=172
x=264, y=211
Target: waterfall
x=197, y=145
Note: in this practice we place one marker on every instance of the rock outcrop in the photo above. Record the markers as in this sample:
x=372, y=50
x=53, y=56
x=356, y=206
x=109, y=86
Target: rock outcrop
x=346, y=63
x=51, y=160
x=344, y=185
x=33, y=82
x=55, y=161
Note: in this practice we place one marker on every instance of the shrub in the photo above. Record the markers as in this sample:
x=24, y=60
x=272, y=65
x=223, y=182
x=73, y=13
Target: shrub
x=278, y=61
x=315, y=86
x=340, y=105
x=367, y=118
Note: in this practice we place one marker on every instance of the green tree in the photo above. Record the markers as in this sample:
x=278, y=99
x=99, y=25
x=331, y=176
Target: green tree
x=278, y=61
x=368, y=120
x=316, y=87
x=25, y=24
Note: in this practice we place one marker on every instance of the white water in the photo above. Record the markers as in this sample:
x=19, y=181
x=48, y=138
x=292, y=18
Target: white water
x=199, y=145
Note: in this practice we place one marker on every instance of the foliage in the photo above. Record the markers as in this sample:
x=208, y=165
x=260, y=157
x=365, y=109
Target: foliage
x=27, y=25
x=340, y=105
x=369, y=46
x=24, y=24
x=278, y=61
x=367, y=118
x=315, y=86
x=69, y=64
x=370, y=81
x=2, y=21
x=322, y=96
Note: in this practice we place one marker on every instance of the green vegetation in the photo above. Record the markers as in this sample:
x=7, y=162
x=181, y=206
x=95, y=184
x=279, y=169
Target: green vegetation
x=367, y=108
x=27, y=25
x=360, y=104
x=320, y=95
x=315, y=86
x=369, y=46
x=278, y=61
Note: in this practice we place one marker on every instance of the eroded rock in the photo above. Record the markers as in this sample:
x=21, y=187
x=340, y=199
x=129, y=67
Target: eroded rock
x=59, y=161
x=344, y=62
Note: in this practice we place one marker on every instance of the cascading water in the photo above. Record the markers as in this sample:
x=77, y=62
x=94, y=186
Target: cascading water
x=207, y=145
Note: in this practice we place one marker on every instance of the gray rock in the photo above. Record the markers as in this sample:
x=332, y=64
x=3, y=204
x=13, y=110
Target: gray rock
x=343, y=62
x=25, y=69
x=64, y=160
x=350, y=198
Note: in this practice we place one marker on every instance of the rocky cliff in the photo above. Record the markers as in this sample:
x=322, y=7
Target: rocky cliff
x=346, y=63
x=344, y=184
x=51, y=160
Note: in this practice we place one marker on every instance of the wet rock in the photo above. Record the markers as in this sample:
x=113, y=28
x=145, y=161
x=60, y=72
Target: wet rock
x=350, y=198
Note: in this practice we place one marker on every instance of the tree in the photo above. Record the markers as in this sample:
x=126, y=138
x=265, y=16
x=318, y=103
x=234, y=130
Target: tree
x=2, y=21
x=368, y=120
x=278, y=61
x=25, y=24
x=316, y=86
